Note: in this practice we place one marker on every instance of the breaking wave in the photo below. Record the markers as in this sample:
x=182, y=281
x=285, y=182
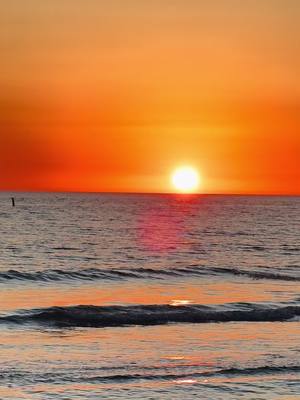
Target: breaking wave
x=91, y=274
x=109, y=316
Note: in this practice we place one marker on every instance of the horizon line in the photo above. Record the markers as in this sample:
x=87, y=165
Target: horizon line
x=147, y=193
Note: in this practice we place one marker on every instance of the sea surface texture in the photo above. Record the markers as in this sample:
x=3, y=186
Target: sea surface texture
x=149, y=297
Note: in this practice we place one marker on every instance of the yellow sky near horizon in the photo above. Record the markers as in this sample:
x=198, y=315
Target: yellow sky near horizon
x=113, y=96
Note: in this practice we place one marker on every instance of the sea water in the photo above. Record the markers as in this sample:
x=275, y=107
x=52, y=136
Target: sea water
x=109, y=296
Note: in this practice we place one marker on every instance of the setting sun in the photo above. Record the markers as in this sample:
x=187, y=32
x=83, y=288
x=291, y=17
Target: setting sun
x=185, y=179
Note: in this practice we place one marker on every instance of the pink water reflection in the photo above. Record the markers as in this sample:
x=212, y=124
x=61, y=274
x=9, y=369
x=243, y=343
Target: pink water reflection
x=163, y=229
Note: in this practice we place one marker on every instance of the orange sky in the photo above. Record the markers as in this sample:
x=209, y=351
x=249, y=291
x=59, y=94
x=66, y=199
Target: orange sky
x=114, y=95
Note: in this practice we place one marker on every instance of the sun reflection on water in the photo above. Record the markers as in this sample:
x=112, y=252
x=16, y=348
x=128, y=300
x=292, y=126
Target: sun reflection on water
x=185, y=381
x=177, y=303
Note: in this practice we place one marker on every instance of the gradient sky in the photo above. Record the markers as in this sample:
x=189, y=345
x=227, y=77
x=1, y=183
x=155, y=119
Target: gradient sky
x=113, y=95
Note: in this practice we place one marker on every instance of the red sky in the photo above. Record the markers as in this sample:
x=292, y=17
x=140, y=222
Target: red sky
x=113, y=96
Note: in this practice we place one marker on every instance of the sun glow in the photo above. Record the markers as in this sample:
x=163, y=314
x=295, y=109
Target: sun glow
x=185, y=179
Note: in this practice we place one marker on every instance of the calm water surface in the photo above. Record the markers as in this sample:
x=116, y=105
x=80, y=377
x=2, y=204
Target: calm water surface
x=149, y=296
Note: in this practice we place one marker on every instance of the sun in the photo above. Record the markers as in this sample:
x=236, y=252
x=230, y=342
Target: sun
x=185, y=179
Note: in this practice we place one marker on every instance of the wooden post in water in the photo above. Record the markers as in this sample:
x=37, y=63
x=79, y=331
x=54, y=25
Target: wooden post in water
x=13, y=202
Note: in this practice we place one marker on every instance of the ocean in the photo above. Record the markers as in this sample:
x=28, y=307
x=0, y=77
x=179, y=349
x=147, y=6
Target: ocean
x=116, y=296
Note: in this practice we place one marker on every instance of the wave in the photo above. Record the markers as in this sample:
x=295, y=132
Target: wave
x=263, y=370
x=67, y=377
x=257, y=274
x=91, y=274
x=117, y=316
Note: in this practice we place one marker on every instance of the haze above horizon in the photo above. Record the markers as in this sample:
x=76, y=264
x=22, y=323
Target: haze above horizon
x=114, y=96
